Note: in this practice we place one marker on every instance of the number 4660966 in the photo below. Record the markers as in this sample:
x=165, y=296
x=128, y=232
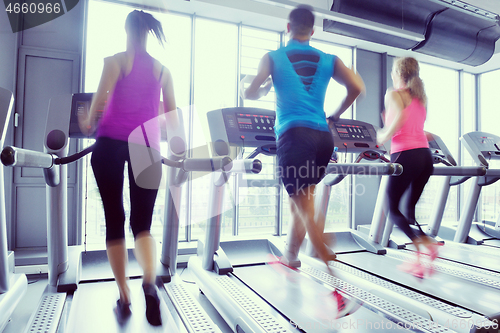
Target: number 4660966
x=33, y=8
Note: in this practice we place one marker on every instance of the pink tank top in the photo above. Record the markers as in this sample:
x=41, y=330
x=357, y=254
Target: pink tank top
x=134, y=102
x=411, y=135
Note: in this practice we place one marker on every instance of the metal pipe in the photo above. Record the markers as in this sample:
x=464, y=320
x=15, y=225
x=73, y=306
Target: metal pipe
x=19, y=157
x=57, y=224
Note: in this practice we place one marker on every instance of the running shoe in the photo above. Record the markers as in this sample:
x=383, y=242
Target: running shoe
x=345, y=306
x=433, y=250
x=122, y=311
x=290, y=260
x=414, y=268
x=431, y=269
x=153, y=313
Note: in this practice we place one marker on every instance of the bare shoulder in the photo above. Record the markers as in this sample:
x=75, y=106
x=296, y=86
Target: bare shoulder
x=113, y=63
x=392, y=94
x=159, y=70
x=119, y=58
x=116, y=62
x=157, y=65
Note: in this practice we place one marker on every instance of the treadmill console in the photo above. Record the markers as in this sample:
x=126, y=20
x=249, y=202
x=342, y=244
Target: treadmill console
x=354, y=136
x=253, y=128
x=255, y=122
x=243, y=127
x=80, y=104
x=439, y=151
x=482, y=146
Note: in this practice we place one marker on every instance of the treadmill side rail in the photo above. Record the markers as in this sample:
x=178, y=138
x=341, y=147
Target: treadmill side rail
x=222, y=265
x=68, y=280
x=368, y=244
x=241, y=309
x=50, y=302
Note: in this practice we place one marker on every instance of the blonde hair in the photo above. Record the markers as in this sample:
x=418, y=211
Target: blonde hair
x=408, y=69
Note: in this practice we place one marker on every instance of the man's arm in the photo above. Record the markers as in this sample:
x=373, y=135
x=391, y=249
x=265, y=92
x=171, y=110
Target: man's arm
x=256, y=90
x=353, y=83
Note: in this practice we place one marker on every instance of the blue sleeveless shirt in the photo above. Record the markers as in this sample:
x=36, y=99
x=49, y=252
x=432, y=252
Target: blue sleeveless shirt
x=301, y=74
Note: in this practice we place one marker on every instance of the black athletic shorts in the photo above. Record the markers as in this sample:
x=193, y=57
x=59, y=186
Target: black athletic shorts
x=303, y=154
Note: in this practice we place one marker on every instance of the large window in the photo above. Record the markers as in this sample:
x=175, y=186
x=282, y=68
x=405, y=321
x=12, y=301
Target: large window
x=442, y=89
x=258, y=195
x=206, y=73
x=490, y=195
x=215, y=68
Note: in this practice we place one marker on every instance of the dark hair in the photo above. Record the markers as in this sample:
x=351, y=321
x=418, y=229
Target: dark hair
x=140, y=23
x=409, y=70
x=301, y=20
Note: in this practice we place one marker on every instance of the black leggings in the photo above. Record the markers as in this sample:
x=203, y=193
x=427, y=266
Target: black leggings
x=108, y=161
x=417, y=168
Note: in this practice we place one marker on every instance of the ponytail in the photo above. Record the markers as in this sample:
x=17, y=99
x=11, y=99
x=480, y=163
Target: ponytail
x=139, y=23
x=416, y=88
x=408, y=69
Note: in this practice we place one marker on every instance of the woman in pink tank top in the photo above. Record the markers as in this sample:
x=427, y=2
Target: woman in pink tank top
x=404, y=125
x=130, y=87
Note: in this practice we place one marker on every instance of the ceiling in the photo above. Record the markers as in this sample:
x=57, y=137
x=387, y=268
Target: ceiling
x=258, y=12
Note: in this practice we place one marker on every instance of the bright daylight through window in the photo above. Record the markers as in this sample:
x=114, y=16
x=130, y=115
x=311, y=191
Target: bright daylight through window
x=208, y=76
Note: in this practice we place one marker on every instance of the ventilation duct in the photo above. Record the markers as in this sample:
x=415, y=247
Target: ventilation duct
x=454, y=33
x=408, y=16
x=457, y=36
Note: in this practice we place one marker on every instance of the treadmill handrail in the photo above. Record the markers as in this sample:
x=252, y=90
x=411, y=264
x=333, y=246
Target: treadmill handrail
x=200, y=164
x=470, y=171
x=493, y=172
x=365, y=169
x=19, y=157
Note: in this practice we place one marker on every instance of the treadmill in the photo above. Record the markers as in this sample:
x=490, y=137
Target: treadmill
x=77, y=278
x=245, y=282
x=483, y=147
x=473, y=301
x=12, y=286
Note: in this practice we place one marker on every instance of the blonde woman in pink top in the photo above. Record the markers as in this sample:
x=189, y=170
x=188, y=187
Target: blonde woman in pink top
x=404, y=124
x=131, y=83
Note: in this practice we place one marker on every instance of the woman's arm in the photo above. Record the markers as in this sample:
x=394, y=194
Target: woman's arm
x=110, y=74
x=172, y=122
x=394, y=106
x=167, y=86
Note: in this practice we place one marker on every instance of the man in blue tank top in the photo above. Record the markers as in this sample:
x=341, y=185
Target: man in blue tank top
x=301, y=75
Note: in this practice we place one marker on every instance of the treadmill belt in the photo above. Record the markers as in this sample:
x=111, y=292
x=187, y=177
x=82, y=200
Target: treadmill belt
x=93, y=304
x=481, y=256
x=467, y=294
x=307, y=303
